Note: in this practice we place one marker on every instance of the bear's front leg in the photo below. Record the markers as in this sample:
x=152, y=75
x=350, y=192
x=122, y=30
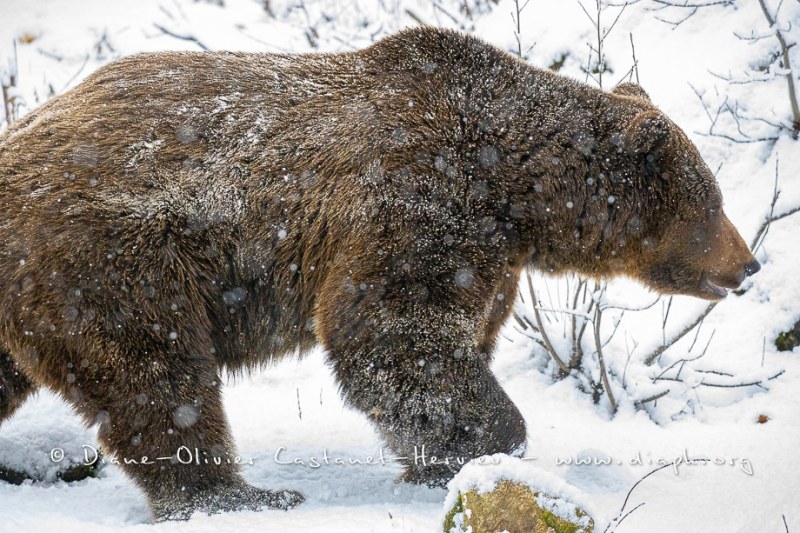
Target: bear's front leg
x=415, y=369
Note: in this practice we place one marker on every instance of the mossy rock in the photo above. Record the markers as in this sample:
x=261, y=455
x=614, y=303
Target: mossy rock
x=788, y=340
x=511, y=507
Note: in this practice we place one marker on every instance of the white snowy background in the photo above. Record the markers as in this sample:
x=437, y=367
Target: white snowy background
x=684, y=63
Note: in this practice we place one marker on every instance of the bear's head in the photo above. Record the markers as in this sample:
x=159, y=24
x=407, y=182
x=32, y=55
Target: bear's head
x=690, y=246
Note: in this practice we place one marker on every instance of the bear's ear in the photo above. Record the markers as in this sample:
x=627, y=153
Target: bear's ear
x=630, y=89
x=647, y=133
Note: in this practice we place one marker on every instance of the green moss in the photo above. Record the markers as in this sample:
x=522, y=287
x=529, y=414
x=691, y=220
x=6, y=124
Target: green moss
x=557, y=524
x=509, y=507
x=450, y=519
x=560, y=525
x=786, y=341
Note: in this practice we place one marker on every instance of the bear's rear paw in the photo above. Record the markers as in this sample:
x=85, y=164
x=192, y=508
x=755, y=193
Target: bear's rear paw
x=240, y=497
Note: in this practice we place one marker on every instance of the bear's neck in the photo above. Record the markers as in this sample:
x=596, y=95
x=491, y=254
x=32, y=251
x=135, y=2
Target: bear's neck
x=564, y=167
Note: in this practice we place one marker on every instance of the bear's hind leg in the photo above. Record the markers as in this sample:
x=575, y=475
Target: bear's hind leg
x=15, y=386
x=160, y=414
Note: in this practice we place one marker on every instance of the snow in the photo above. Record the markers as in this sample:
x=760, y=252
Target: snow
x=750, y=477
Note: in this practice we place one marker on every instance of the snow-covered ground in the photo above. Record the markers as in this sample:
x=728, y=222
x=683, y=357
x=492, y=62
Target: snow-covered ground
x=59, y=42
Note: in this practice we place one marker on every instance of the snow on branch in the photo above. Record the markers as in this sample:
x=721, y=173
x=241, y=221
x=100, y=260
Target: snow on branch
x=787, y=66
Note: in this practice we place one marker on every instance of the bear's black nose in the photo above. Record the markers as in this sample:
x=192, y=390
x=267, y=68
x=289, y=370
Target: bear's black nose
x=752, y=267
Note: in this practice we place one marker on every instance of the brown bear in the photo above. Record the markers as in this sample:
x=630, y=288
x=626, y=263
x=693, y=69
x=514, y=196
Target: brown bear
x=180, y=213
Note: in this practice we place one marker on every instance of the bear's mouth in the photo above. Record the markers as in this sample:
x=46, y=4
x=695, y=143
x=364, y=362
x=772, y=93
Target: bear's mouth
x=708, y=287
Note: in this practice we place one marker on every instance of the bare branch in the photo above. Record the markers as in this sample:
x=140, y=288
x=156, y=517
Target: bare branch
x=676, y=23
x=599, y=347
x=680, y=362
x=650, y=359
x=665, y=315
x=761, y=234
x=620, y=516
x=518, y=31
x=7, y=84
x=747, y=81
x=267, y=4
x=600, y=38
x=694, y=5
x=739, y=141
x=190, y=38
x=635, y=61
x=787, y=64
x=548, y=345
x=77, y=73
x=519, y=320
x=759, y=383
x=416, y=17
x=299, y=410
x=654, y=397
x=437, y=5
x=577, y=350
x=619, y=14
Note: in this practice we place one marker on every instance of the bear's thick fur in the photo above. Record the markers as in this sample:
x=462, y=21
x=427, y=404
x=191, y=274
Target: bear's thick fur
x=180, y=213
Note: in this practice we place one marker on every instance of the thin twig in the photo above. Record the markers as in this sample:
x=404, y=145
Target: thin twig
x=620, y=517
x=650, y=359
x=759, y=383
x=299, y=410
x=600, y=65
x=761, y=234
x=599, y=347
x=75, y=76
x=654, y=397
x=725, y=107
x=577, y=349
x=635, y=61
x=693, y=5
x=416, y=17
x=516, y=19
x=9, y=100
x=787, y=65
x=548, y=345
x=678, y=362
x=190, y=38
x=664, y=322
x=764, y=228
x=676, y=23
x=437, y=5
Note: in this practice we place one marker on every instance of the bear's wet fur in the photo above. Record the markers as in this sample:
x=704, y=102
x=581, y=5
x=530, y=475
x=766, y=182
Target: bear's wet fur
x=180, y=213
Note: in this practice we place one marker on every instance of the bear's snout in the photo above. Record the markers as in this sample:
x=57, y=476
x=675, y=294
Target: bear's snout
x=716, y=259
x=751, y=268
x=732, y=263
